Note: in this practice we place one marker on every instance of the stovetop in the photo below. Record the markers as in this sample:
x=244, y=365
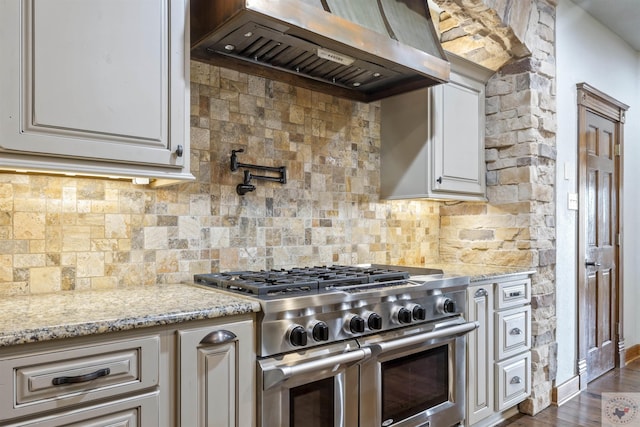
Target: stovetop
x=306, y=307
x=268, y=284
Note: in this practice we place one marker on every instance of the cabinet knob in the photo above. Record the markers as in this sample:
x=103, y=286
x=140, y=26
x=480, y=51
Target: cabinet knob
x=439, y=180
x=179, y=150
x=515, y=380
x=515, y=331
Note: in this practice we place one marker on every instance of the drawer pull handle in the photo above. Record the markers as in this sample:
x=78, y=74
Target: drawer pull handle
x=515, y=294
x=515, y=331
x=482, y=292
x=81, y=378
x=218, y=337
x=515, y=380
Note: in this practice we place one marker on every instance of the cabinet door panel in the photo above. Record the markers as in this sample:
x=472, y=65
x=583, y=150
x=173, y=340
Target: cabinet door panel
x=217, y=380
x=480, y=361
x=458, y=129
x=86, y=59
x=102, y=81
x=432, y=139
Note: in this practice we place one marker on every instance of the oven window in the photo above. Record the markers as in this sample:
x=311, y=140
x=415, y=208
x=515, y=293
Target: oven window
x=311, y=405
x=414, y=383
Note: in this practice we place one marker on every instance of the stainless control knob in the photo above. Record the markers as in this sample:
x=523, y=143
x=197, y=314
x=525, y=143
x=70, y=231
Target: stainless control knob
x=298, y=336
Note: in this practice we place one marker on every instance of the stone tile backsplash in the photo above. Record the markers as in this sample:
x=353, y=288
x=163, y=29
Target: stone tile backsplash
x=65, y=233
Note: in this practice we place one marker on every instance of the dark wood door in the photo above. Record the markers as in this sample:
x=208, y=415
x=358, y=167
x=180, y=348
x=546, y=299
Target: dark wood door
x=600, y=295
x=600, y=216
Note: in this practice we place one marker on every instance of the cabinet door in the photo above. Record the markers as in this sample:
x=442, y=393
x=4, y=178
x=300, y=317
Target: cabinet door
x=217, y=371
x=458, y=137
x=432, y=139
x=103, y=81
x=480, y=358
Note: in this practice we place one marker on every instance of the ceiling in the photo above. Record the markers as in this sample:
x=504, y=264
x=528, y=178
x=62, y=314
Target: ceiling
x=620, y=16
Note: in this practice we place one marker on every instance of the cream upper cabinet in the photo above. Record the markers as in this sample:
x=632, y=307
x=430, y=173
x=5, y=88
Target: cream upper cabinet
x=433, y=139
x=97, y=87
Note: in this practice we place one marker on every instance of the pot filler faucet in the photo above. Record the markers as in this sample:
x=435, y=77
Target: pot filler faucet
x=246, y=185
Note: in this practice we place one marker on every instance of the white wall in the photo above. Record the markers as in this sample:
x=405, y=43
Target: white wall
x=588, y=52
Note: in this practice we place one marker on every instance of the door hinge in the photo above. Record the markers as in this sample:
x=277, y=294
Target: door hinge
x=616, y=149
x=618, y=239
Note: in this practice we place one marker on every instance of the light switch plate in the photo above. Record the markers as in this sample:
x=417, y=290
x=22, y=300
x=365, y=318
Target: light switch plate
x=567, y=171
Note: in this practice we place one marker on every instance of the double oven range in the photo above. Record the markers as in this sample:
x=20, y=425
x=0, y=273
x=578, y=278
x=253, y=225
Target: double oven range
x=357, y=345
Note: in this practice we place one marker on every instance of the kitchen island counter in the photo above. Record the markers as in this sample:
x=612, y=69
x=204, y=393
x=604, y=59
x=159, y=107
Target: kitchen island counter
x=43, y=317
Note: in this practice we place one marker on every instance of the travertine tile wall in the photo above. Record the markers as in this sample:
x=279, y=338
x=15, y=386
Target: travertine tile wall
x=66, y=233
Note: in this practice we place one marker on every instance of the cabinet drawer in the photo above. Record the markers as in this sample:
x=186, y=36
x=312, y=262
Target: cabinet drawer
x=513, y=332
x=513, y=381
x=56, y=378
x=137, y=411
x=510, y=294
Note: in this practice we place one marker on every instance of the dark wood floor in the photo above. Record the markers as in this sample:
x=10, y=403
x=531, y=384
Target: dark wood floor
x=584, y=410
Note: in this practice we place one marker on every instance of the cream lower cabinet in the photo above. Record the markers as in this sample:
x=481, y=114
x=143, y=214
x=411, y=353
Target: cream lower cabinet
x=95, y=87
x=498, y=352
x=217, y=376
x=196, y=374
x=100, y=382
x=480, y=350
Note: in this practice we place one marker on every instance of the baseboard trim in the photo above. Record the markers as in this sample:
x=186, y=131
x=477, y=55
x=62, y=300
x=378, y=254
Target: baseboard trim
x=565, y=391
x=631, y=354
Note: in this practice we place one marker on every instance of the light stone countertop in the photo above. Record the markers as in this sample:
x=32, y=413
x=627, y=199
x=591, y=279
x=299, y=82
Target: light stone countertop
x=42, y=317
x=479, y=273
x=476, y=273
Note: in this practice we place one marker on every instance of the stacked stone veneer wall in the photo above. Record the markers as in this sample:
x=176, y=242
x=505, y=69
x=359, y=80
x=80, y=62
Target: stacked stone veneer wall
x=517, y=225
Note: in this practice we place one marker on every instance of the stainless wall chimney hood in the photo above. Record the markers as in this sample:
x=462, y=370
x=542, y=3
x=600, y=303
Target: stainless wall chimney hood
x=357, y=49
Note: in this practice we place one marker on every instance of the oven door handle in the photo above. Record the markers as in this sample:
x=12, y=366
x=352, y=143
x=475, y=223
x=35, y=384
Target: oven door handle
x=447, y=332
x=274, y=376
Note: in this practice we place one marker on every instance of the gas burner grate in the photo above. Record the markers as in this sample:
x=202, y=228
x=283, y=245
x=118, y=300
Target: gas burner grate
x=297, y=281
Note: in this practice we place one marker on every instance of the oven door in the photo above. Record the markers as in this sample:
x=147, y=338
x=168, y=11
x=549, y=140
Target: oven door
x=317, y=387
x=415, y=377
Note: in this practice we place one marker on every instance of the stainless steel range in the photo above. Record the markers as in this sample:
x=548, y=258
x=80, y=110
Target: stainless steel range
x=357, y=345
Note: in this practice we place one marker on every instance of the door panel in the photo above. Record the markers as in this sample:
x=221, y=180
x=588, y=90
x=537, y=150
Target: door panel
x=600, y=221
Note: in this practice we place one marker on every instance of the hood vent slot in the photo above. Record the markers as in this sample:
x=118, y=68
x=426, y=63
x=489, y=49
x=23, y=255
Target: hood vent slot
x=263, y=46
x=329, y=53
